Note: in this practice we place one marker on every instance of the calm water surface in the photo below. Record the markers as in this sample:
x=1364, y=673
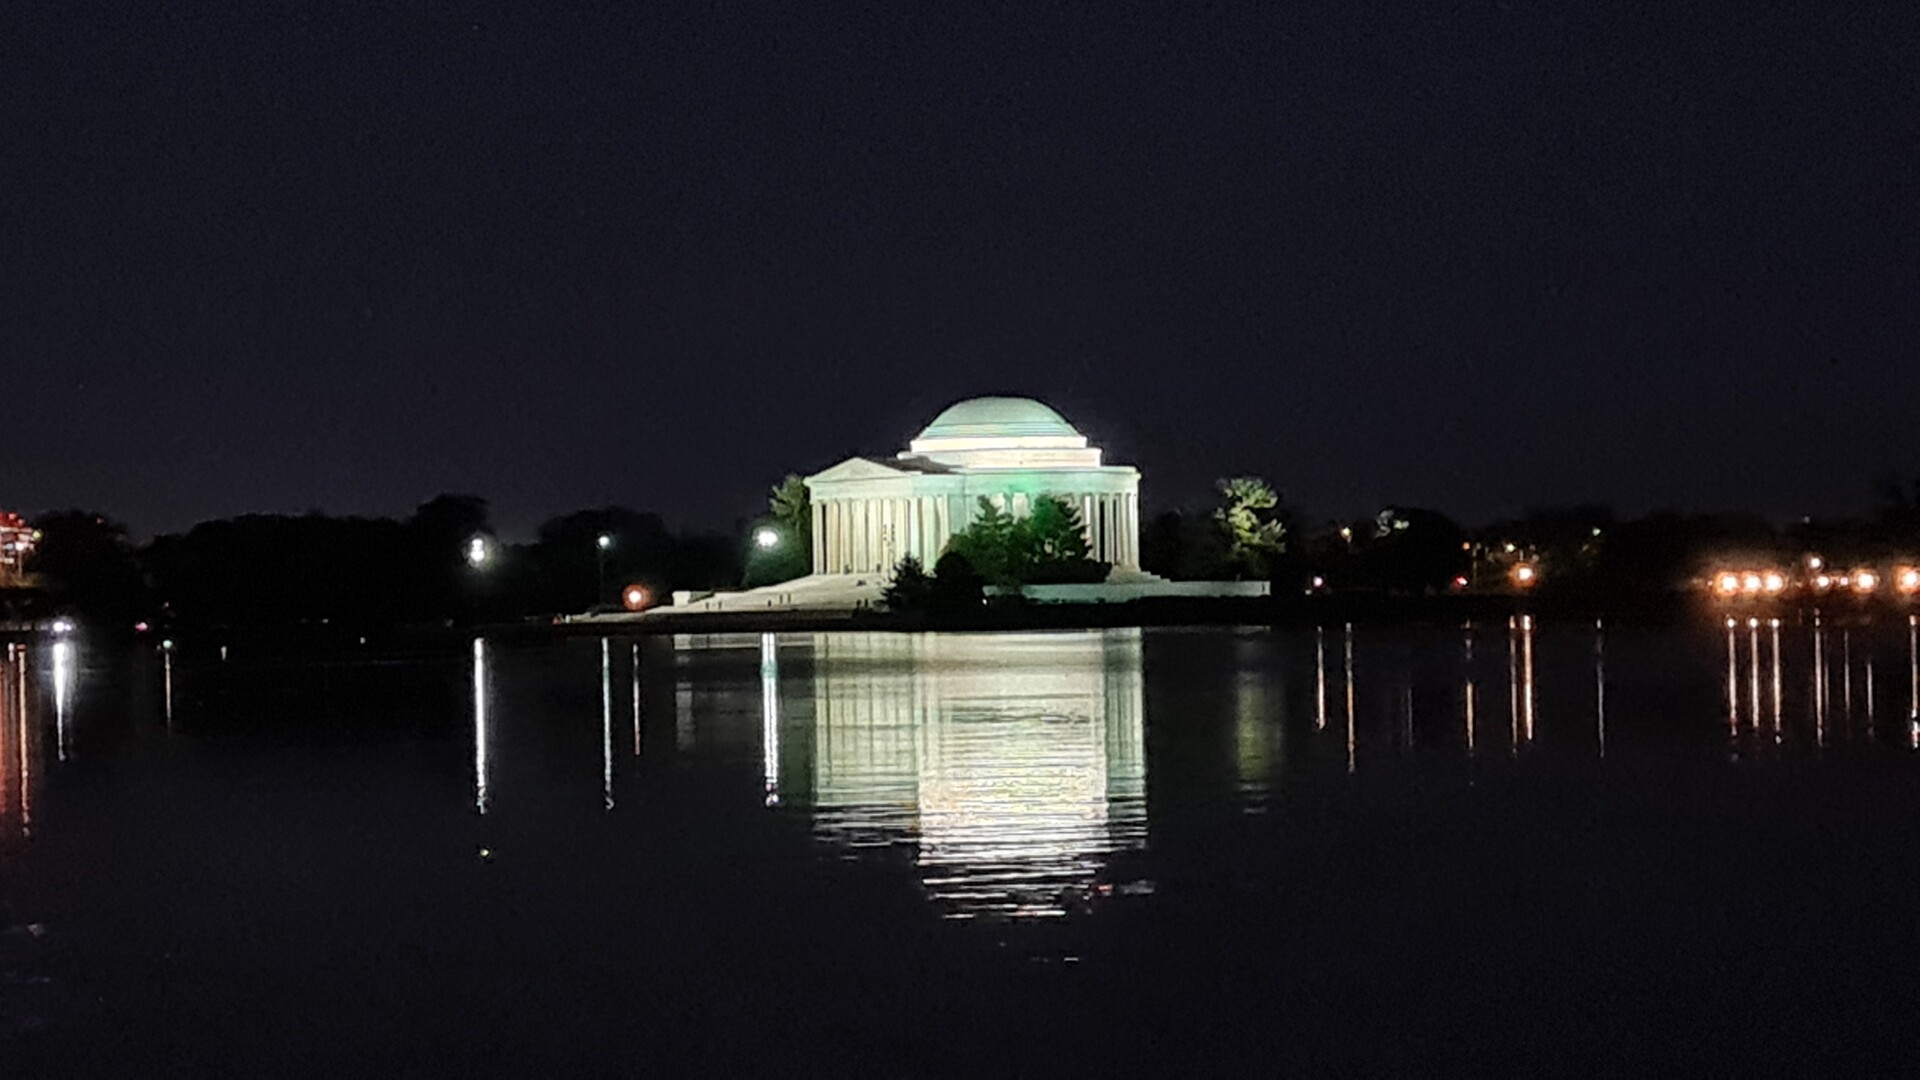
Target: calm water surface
x=1492, y=847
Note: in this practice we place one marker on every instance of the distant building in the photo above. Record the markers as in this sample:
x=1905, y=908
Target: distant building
x=17, y=540
x=869, y=513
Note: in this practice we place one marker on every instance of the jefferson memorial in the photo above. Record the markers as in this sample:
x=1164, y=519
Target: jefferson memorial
x=869, y=513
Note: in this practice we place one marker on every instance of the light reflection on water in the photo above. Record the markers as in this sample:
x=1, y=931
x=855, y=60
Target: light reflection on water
x=17, y=746
x=1013, y=764
x=26, y=714
x=1011, y=769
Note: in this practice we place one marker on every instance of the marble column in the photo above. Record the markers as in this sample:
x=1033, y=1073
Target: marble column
x=815, y=541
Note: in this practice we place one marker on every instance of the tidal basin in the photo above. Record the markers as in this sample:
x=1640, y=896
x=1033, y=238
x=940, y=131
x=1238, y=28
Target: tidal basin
x=1497, y=846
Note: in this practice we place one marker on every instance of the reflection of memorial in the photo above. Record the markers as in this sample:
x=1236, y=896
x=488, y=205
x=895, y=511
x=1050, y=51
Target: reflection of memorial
x=1015, y=760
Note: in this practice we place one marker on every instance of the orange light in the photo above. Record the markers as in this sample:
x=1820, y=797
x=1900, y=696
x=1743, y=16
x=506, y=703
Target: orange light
x=1907, y=580
x=1814, y=562
x=1774, y=582
x=1750, y=583
x=1823, y=582
x=1524, y=575
x=634, y=597
x=1727, y=584
x=1865, y=581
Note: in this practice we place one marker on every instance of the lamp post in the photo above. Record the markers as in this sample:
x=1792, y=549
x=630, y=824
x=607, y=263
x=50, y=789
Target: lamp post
x=602, y=544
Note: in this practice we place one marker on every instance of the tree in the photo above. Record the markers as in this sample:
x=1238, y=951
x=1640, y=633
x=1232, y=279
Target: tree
x=911, y=588
x=790, y=516
x=791, y=507
x=957, y=586
x=987, y=544
x=1413, y=550
x=1050, y=546
x=1047, y=547
x=568, y=555
x=1252, y=525
x=87, y=561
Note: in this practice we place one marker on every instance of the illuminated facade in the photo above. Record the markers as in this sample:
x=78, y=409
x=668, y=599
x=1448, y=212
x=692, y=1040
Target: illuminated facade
x=870, y=513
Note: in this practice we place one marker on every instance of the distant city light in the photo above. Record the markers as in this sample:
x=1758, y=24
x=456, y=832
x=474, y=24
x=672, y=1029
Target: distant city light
x=1814, y=562
x=1727, y=584
x=1460, y=581
x=62, y=626
x=479, y=551
x=1750, y=583
x=1773, y=582
x=766, y=539
x=1524, y=575
x=604, y=541
x=1865, y=581
x=1823, y=582
x=1907, y=580
x=635, y=597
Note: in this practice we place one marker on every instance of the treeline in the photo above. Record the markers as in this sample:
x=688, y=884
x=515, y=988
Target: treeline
x=1582, y=549
x=358, y=571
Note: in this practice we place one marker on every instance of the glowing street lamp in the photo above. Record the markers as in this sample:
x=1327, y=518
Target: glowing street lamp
x=1773, y=582
x=635, y=597
x=479, y=552
x=601, y=545
x=1727, y=584
x=1525, y=575
x=1907, y=580
x=766, y=539
x=1865, y=581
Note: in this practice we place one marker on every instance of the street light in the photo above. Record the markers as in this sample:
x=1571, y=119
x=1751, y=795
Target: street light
x=479, y=552
x=602, y=544
x=766, y=539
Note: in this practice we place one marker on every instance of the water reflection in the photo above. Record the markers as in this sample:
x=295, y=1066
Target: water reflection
x=606, y=721
x=1600, y=684
x=16, y=746
x=482, y=737
x=1011, y=766
x=1913, y=682
x=62, y=693
x=1520, y=681
x=1352, y=759
x=1819, y=682
x=770, y=719
x=166, y=680
x=1469, y=691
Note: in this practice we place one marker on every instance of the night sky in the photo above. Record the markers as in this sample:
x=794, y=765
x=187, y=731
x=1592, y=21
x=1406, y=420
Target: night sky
x=282, y=256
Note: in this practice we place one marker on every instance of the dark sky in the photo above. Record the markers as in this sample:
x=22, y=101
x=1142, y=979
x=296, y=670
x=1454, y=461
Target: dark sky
x=279, y=256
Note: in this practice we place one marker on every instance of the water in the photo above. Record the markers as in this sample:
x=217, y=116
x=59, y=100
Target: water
x=1499, y=846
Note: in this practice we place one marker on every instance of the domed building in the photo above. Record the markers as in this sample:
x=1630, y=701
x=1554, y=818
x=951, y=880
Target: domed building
x=870, y=513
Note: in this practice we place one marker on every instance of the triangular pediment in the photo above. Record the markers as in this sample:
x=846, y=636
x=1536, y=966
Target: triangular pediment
x=858, y=468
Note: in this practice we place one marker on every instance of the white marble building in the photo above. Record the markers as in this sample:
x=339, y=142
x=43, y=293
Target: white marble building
x=869, y=513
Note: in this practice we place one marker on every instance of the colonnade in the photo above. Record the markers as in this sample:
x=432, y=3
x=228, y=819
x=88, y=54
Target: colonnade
x=872, y=535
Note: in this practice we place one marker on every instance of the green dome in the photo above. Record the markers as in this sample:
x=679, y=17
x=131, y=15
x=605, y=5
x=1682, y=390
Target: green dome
x=998, y=418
